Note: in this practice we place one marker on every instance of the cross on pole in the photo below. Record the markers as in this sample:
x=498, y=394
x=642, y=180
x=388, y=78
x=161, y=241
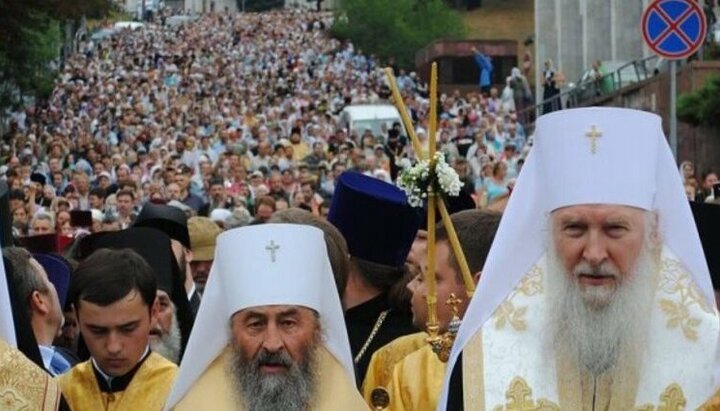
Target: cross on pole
x=272, y=248
x=453, y=303
x=593, y=135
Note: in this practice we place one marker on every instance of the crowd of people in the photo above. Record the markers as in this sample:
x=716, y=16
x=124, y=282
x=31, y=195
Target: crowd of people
x=230, y=116
x=135, y=284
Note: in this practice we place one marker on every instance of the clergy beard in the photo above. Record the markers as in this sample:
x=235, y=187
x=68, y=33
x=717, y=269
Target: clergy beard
x=601, y=327
x=169, y=344
x=289, y=391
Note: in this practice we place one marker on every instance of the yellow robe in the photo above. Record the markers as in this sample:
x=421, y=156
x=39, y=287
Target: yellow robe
x=384, y=360
x=713, y=404
x=147, y=391
x=417, y=382
x=24, y=385
x=213, y=391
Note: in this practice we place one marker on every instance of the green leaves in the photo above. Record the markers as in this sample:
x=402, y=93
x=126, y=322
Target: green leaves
x=701, y=107
x=30, y=41
x=397, y=28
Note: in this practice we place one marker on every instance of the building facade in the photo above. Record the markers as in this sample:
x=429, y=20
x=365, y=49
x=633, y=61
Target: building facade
x=207, y=6
x=575, y=33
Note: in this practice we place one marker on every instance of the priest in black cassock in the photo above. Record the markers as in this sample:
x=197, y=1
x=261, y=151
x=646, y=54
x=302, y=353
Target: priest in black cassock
x=707, y=220
x=379, y=227
x=173, y=222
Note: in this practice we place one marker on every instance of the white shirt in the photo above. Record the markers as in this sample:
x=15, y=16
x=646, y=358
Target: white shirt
x=47, y=353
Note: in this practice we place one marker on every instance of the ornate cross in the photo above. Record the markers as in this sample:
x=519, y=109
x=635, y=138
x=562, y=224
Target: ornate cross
x=593, y=135
x=272, y=247
x=453, y=302
x=519, y=398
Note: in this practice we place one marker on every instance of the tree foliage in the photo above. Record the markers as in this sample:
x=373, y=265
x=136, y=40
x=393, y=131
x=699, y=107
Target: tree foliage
x=76, y=9
x=702, y=106
x=30, y=42
x=397, y=28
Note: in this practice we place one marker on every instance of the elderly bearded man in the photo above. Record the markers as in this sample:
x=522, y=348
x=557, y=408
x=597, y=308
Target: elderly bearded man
x=270, y=333
x=607, y=303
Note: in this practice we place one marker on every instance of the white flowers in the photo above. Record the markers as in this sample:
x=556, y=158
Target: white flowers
x=437, y=175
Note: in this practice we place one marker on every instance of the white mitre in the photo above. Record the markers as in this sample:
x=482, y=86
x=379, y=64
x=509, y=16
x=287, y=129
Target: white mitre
x=269, y=264
x=589, y=156
x=7, y=326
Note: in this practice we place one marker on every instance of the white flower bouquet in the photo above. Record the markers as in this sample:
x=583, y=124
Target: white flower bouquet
x=434, y=174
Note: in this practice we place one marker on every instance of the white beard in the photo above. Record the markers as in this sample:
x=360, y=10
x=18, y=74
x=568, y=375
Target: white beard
x=601, y=328
x=169, y=345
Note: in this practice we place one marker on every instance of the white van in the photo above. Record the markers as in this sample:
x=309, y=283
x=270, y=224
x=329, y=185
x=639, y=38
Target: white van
x=132, y=25
x=360, y=117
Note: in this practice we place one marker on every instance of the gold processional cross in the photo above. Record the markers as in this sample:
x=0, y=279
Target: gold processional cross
x=593, y=135
x=272, y=247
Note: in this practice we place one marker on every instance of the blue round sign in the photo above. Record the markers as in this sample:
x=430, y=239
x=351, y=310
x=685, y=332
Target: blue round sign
x=674, y=29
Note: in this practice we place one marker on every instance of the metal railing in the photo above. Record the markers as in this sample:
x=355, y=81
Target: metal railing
x=588, y=89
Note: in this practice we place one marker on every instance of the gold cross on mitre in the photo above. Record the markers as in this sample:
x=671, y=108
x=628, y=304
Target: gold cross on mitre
x=272, y=247
x=593, y=135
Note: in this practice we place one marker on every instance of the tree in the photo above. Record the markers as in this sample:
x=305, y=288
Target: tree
x=397, y=28
x=30, y=42
x=702, y=106
x=76, y=9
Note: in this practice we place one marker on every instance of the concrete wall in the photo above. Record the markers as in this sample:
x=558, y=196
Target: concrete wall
x=574, y=33
x=697, y=144
x=204, y=6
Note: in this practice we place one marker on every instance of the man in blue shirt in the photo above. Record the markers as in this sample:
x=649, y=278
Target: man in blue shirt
x=484, y=62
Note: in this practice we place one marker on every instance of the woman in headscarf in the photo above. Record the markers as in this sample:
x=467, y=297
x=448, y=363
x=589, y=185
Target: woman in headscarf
x=687, y=171
x=521, y=92
x=550, y=89
x=507, y=98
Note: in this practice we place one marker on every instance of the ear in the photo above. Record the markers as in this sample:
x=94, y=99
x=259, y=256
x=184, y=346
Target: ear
x=189, y=255
x=37, y=303
x=476, y=277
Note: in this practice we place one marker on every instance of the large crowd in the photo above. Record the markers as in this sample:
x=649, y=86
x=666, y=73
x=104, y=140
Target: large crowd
x=156, y=142
x=231, y=117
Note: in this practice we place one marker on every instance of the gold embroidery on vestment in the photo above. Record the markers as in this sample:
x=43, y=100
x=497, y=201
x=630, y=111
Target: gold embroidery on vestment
x=23, y=386
x=676, y=281
x=473, y=363
x=508, y=313
x=519, y=398
x=672, y=399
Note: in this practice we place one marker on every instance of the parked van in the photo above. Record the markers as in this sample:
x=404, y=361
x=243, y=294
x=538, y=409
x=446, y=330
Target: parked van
x=360, y=117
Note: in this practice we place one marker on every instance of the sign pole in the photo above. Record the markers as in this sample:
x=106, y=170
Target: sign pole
x=674, y=29
x=673, y=109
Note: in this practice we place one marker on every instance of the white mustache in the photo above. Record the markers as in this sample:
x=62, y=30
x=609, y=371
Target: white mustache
x=606, y=269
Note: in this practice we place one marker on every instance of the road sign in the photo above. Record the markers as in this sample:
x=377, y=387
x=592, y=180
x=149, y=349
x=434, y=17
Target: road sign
x=674, y=29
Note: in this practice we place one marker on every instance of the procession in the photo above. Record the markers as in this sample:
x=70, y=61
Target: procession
x=216, y=208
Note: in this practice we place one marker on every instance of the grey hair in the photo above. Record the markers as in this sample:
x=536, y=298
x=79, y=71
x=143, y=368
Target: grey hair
x=43, y=216
x=25, y=278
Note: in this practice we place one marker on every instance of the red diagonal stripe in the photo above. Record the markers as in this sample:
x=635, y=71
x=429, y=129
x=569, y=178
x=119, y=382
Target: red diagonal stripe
x=673, y=25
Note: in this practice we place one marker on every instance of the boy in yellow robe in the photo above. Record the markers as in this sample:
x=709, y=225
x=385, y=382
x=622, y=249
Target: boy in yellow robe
x=379, y=372
x=417, y=379
x=113, y=293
